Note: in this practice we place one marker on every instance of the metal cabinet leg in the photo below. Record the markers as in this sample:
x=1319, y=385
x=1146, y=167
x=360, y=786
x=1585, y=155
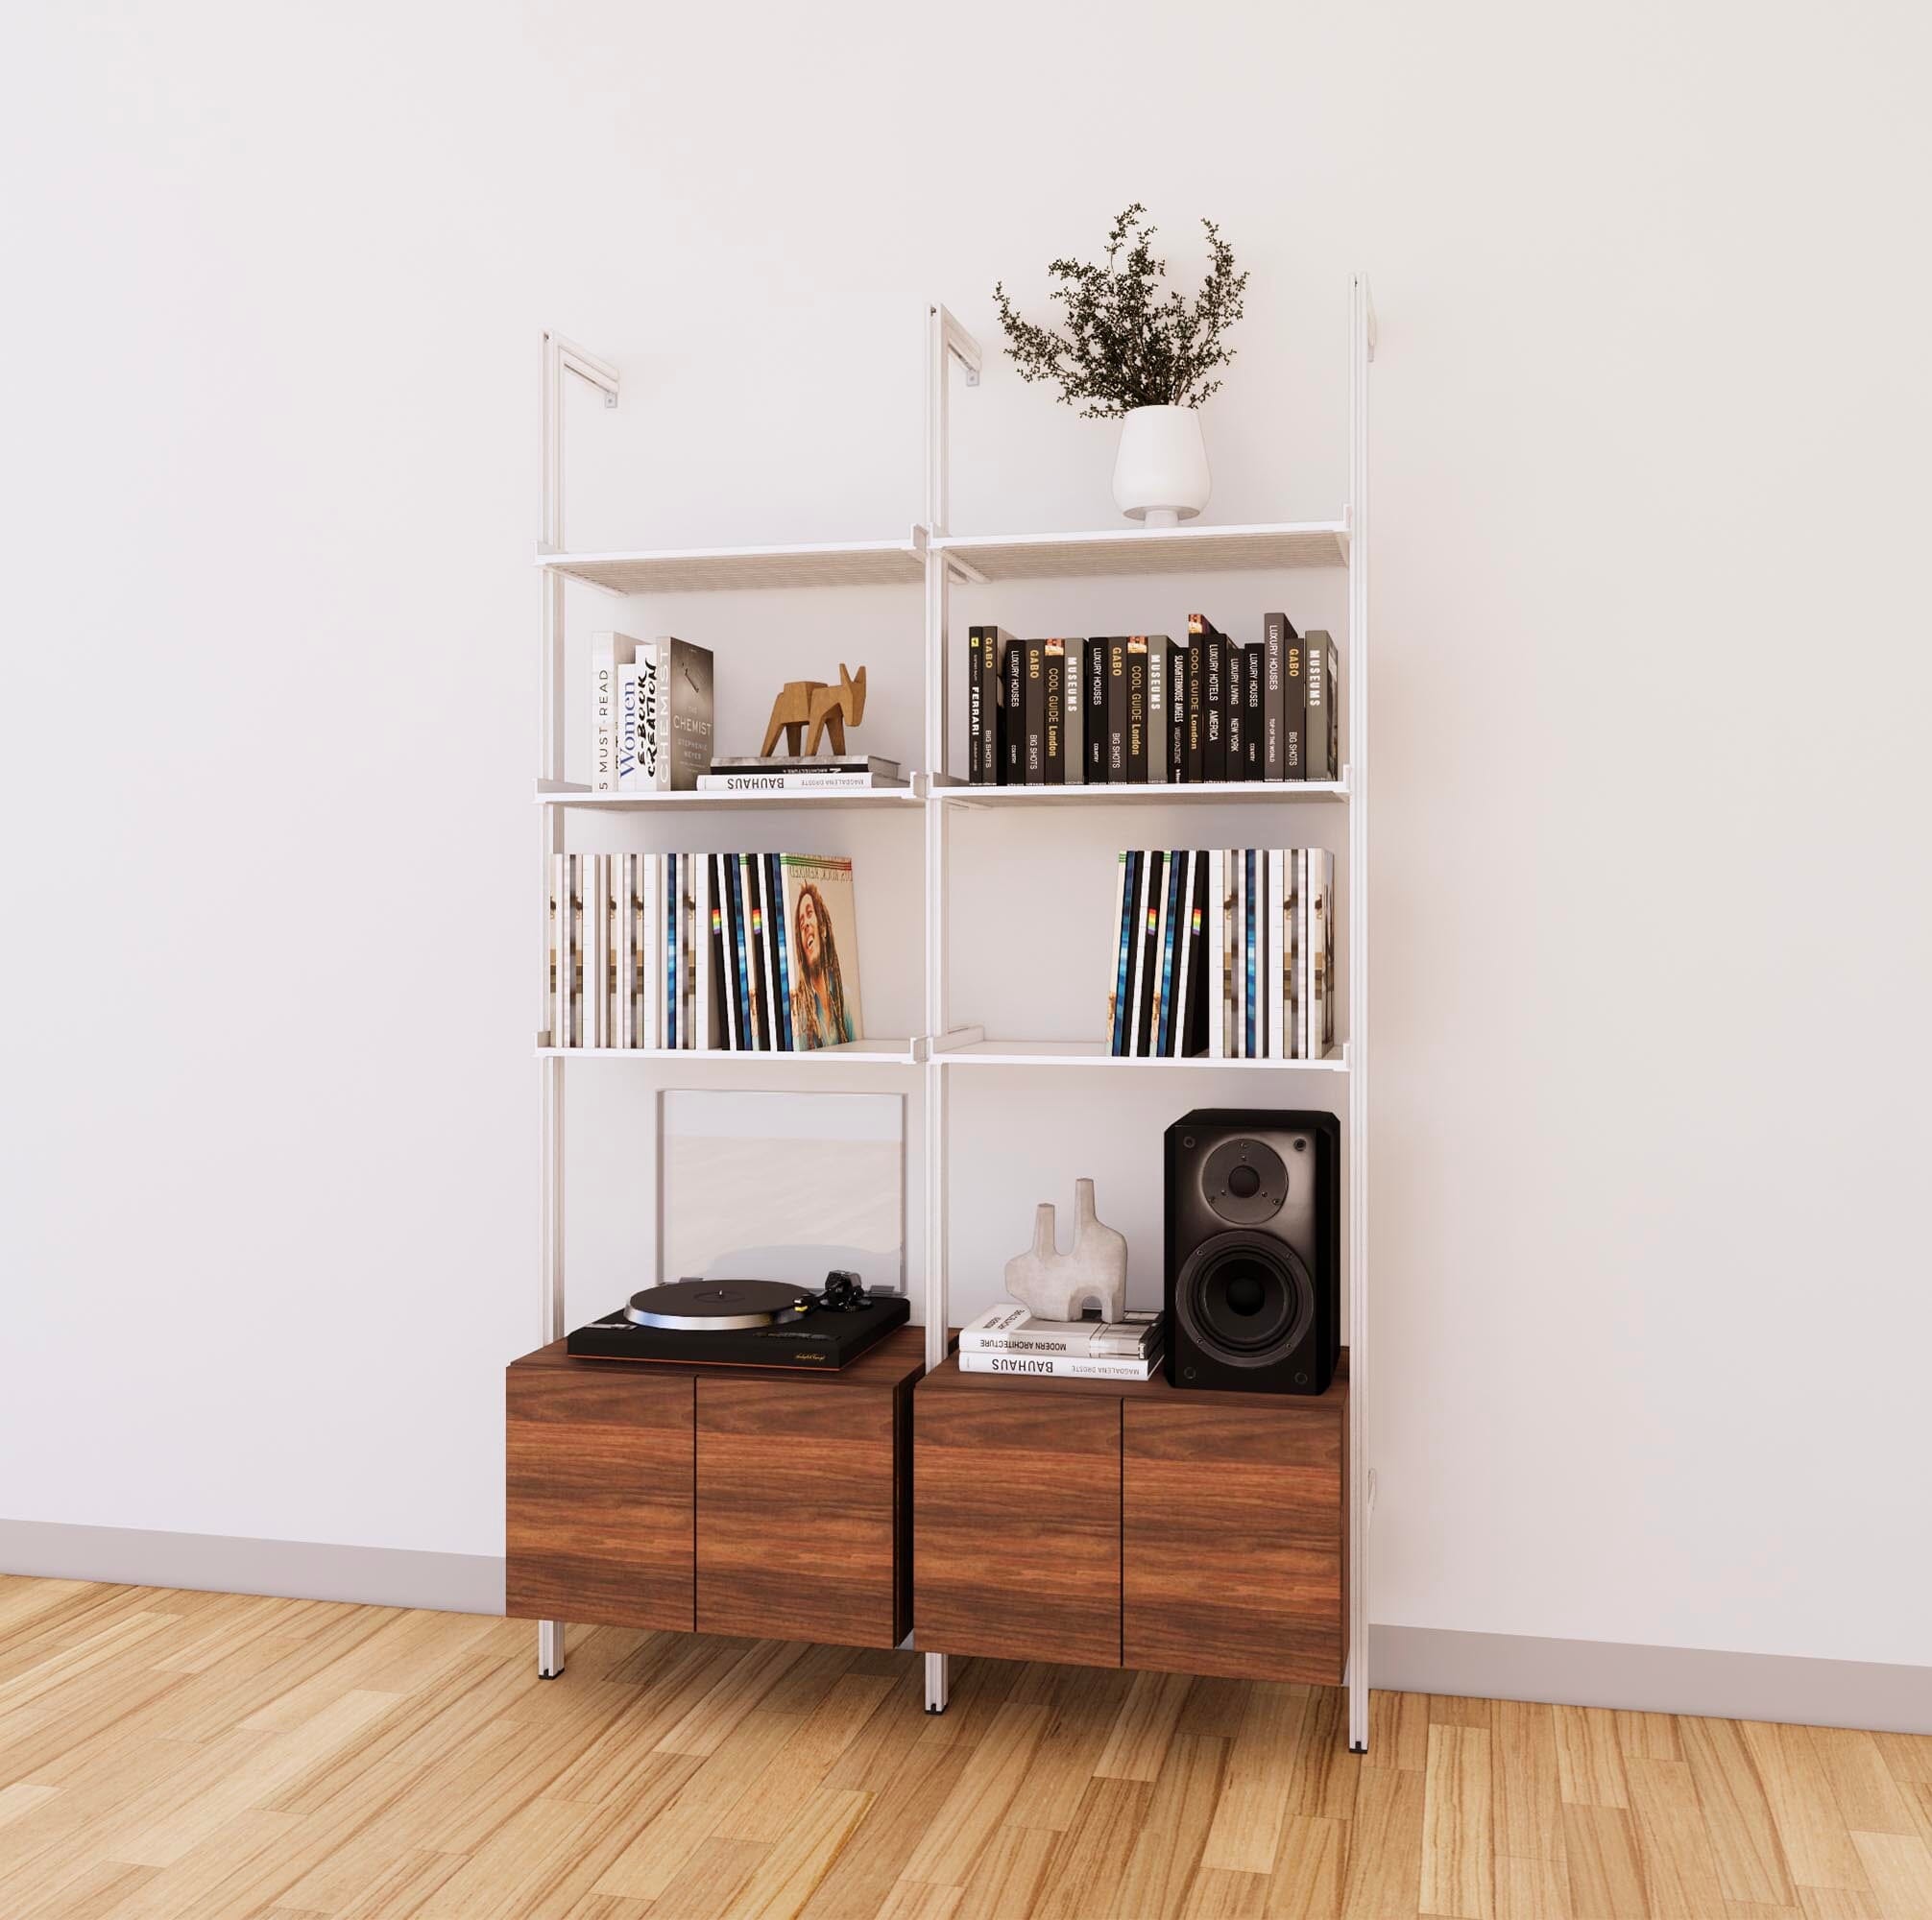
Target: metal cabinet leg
x=937, y=1683
x=549, y=1650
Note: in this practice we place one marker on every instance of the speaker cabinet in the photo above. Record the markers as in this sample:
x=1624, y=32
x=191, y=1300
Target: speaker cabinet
x=1253, y=1268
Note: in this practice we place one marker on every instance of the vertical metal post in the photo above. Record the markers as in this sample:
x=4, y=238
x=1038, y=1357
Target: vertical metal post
x=945, y=340
x=1362, y=350
x=560, y=357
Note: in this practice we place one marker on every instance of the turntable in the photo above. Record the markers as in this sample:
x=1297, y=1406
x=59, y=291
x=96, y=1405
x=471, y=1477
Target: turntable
x=746, y=1323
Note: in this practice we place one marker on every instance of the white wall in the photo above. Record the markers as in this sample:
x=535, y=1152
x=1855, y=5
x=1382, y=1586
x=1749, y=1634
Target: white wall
x=1650, y=895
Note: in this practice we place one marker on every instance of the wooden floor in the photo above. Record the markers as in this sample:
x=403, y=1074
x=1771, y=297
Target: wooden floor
x=196, y=1756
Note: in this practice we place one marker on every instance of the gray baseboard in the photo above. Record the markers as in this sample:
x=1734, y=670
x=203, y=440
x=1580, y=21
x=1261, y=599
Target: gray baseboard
x=299, y=1569
x=1411, y=1659
x=1659, y=1679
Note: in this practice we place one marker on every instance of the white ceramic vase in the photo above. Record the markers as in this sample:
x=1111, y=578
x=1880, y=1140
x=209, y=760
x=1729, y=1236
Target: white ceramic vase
x=1161, y=472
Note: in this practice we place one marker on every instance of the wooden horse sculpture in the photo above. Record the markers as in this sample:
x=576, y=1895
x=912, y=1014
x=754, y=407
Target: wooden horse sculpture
x=825, y=709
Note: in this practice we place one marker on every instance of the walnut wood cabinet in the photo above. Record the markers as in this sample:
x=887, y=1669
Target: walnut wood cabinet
x=721, y=1500
x=1112, y=1524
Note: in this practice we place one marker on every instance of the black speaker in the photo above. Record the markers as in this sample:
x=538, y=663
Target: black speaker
x=1254, y=1250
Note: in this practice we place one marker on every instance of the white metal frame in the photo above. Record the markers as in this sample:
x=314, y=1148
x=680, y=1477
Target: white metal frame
x=933, y=553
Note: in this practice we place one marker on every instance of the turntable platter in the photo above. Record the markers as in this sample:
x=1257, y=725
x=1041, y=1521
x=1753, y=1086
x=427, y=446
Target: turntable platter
x=713, y=1305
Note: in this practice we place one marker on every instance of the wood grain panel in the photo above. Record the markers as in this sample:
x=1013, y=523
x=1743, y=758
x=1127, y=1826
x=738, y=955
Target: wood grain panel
x=1232, y=1539
x=599, y=1490
x=1017, y=1516
x=798, y=1501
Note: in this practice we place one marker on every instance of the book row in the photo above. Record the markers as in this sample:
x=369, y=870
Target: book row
x=1144, y=707
x=1223, y=954
x=728, y=952
x=650, y=714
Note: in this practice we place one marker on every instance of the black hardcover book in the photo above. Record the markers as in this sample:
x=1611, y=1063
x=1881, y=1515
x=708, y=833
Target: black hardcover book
x=1053, y=704
x=1094, y=666
x=1013, y=715
x=822, y=1340
x=1136, y=709
x=757, y=954
x=1295, y=709
x=1177, y=711
x=1213, y=705
x=992, y=737
x=779, y=935
x=1033, y=713
x=975, y=647
x=735, y=978
x=1147, y=961
x=1322, y=733
x=1237, y=712
x=720, y=1035
x=1254, y=656
x=1204, y=976
x=1190, y=742
x=1160, y=705
x=1276, y=633
x=1169, y=954
x=1116, y=646
x=1124, y=956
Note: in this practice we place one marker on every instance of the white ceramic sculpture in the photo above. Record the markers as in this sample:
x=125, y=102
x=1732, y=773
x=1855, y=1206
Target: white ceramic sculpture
x=1052, y=1285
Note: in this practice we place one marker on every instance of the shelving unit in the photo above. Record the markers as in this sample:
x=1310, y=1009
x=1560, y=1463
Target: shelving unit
x=937, y=559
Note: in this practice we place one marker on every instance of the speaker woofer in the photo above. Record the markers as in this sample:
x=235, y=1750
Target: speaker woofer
x=1244, y=1298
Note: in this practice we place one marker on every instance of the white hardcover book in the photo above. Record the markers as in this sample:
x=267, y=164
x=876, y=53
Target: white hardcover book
x=1321, y=955
x=1277, y=1037
x=597, y=949
x=674, y=950
x=1059, y=1366
x=1010, y=1329
x=608, y=653
x=1290, y=951
x=621, y=929
x=573, y=968
x=627, y=727
x=559, y=951
x=1217, y=936
x=691, y=1034
x=1301, y=952
x=1177, y=1024
x=654, y=951
x=650, y=745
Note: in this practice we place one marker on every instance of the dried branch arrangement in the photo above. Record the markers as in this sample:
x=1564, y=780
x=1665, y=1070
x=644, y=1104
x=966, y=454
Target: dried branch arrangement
x=1123, y=345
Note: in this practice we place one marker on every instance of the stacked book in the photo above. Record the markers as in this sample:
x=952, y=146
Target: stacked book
x=732, y=952
x=1148, y=708
x=650, y=714
x=856, y=773
x=1223, y=954
x=1007, y=1339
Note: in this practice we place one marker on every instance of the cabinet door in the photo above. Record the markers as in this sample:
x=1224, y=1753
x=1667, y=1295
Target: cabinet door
x=1017, y=1525
x=801, y=1529
x=1233, y=1550
x=598, y=1513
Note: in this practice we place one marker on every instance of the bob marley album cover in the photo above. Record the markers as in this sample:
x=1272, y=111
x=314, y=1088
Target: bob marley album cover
x=821, y=924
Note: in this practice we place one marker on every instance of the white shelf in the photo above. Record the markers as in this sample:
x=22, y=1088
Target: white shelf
x=1187, y=793
x=868, y=1052
x=553, y=794
x=712, y=570
x=1125, y=550
x=1094, y=1053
